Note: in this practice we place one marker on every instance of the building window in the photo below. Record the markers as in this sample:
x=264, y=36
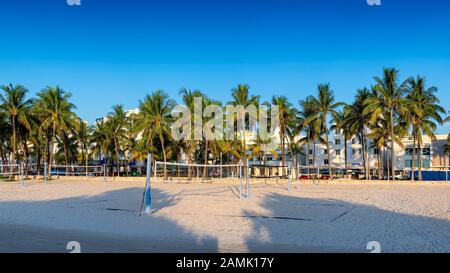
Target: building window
x=375, y=151
x=310, y=162
x=311, y=152
x=409, y=151
x=337, y=142
x=325, y=151
x=355, y=141
x=408, y=163
x=338, y=152
x=337, y=132
x=325, y=162
x=425, y=163
x=426, y=151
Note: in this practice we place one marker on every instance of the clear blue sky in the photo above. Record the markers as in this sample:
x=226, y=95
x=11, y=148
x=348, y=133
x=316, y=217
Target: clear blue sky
x=108, y=52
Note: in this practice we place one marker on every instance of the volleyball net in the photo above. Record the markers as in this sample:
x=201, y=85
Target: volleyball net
x=76, y=170
x=10, y=169
x=178, y=172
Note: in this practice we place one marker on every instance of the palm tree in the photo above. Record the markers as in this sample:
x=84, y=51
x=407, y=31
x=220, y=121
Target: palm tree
x=98, y=140
x=154, y=119
x=5, y=132
x=389, y=100
x=324, y=106
x=313, y=128
x=358, y=122
x=447, y=145
x=381, y=137
x=287, y=117
x=191, y=144
x=305, y=112
x=67, y=148
x=206, y=101
x=241, y=97
x=117, y=125
x=17, y=108
x=82, y=133
x=447, y=150
x=260, y=145
x=341, y=123
x=55, y=112
x=423, y=111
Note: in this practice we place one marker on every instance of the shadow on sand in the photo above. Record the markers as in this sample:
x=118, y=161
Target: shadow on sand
x=109, y=222
x=297, y=224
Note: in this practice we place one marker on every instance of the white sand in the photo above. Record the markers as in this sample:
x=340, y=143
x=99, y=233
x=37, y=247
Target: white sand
x=103, y=217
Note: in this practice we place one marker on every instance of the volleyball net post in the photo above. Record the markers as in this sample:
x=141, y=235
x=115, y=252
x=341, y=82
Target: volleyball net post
x=240, y=179
x=247, y=179
x=22, y=182
x=45, y=172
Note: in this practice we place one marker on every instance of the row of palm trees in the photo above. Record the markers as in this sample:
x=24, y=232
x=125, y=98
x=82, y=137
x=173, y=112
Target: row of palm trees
x=379, y=116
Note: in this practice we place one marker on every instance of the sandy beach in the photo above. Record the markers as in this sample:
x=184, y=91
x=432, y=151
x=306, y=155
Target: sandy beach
x=104, y=217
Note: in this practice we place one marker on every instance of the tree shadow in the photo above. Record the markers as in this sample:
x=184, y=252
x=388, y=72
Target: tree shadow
x=298, y=224
x=107, y=222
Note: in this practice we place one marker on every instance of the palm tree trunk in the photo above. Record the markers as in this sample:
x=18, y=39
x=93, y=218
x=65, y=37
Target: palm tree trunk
x=244, y=161
x=363, y=145
x=189, y=166
x=116, y=149
x=380, y=172
x=294, y=159
x=366, y=154
x=206, y=158
x=13, y=155
x=283, y=159
x=178, y=167
x=387, y=163
x=314, y=156
x=412, y=156
x=345, y=155
x=328, y=150
x=419, y=155
x=51, y=151
x=66, y=159
x=164, y=155
x=392, y=145
x=25, y=150
x=308, y=155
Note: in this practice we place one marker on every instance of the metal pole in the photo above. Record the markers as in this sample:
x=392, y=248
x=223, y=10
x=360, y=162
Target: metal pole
x=240, y=179
x=104, y=172
x=45, y=172
x=298, y=175
x=148, y=190
x=247, y=175
x=21, y=174
x=290, y=180
x=220, y=165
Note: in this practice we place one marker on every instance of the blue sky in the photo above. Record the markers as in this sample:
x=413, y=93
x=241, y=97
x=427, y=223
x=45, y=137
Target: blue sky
x=108, y=52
